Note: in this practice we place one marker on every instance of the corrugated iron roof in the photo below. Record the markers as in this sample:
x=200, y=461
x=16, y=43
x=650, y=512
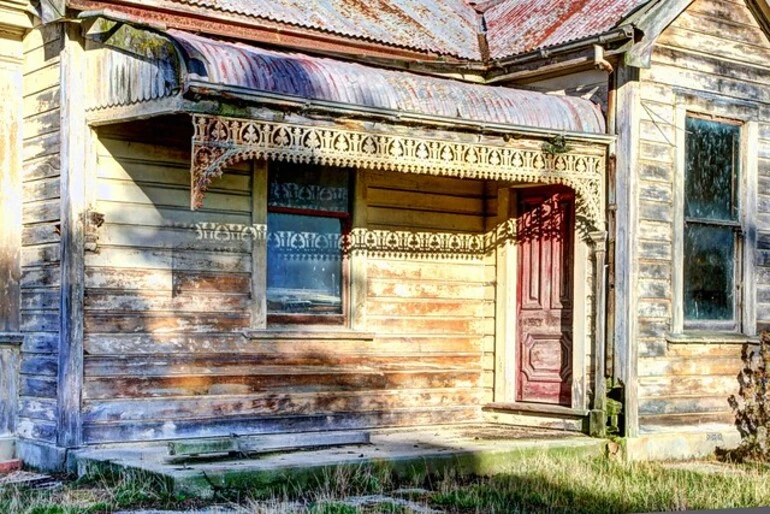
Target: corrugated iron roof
x=446, y=27
x=243, y=66
x=520, y=26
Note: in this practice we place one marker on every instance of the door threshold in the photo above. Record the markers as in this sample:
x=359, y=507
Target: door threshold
x=535, y=408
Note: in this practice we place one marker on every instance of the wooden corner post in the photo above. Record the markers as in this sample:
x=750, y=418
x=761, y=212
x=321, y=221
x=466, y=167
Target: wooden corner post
x=74, y=133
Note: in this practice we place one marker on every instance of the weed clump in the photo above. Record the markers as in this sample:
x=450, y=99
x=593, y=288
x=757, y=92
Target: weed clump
x=752, y=405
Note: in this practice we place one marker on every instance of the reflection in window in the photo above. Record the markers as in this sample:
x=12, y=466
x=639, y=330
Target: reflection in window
x=712, y=221
x=307, y=218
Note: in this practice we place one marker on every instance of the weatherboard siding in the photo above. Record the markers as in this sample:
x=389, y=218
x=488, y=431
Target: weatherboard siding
x=41, y=209
x=714, y=57
x=165, y=311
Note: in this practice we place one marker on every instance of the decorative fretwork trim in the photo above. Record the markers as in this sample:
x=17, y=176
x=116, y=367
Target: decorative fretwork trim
x=374, y=243
x=220, y=142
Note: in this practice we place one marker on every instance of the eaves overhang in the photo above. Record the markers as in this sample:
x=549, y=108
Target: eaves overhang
x=251, y=102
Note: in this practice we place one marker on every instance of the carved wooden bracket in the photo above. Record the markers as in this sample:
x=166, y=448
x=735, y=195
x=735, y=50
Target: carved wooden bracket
x=219, y=142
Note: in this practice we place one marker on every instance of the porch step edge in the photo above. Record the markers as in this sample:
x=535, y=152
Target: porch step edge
x=539, y=409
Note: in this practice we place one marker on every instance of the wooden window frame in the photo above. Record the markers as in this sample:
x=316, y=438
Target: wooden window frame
x=744, y=321
x=320, y=319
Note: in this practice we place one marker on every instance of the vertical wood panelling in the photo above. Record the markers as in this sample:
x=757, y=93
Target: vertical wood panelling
x=712, y=59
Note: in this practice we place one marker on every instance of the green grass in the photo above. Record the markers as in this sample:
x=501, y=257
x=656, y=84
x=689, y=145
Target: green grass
x=543, y=484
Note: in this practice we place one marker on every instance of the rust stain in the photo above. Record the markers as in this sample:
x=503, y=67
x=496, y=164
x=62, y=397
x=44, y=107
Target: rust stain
x=516, y=26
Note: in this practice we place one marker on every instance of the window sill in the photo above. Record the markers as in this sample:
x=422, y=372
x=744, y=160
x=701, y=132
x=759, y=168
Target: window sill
x=701, y=337
x=316, y=333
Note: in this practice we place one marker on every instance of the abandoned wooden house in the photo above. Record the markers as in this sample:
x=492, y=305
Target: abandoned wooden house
x=260, y=217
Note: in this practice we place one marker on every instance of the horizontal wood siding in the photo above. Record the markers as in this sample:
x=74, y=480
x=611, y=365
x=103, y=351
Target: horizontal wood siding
x=165, y=310
x=714, y=50
x=40, y=239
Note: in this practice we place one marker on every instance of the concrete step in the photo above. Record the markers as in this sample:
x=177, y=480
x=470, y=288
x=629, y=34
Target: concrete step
x=412, y=455
x=7, y=448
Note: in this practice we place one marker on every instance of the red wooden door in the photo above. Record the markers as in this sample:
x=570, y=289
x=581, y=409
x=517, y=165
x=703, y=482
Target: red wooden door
x=544, y=237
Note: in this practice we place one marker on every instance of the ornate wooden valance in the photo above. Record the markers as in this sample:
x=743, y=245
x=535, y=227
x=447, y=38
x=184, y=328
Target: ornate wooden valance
x=219, y=142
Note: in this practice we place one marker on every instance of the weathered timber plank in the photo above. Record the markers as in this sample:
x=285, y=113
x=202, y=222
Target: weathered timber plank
x=169, y=237
x=167, y=343
x=713, y=44
x=40, y=299
x=652, y=171
x=41, y=365
x=37, y=430
x=47, y=144
x=424, y=183
x=41, y=342
x=37, y=387
x=119, y=302
x=432, y=202
x=399, y=269
x=693, y=366
x=40, y=255
x=430, y=308
x=41, y=190
x=37, y=169
x=381, y=288
x=38, y=212
x=47, y=321
x=121, y=257
x=673, y=420
x=259, y=364
x=148, y=387
x=429, y=325
x=180, y=451
x=651, y=387
x=44, y=101
x=149, y=215
x=167, y=196
x=145, y=322
x=222, y=427
x=147, y=172
x=273, y=404
x=48, y=276
x=653, y=308
x=424, y=220
x=683, y=405
x=38, y=408
x=655, y=211
x=40, y=234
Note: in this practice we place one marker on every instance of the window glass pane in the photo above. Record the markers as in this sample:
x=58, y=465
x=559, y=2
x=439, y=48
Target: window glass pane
x=712, y=157
x=308, y=187
x=709, y=272
x=304, y=264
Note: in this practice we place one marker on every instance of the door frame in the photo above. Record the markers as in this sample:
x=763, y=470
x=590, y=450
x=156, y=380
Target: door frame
x=506, y=308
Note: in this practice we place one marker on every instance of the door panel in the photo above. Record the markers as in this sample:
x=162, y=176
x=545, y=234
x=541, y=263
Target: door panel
x=544, y=308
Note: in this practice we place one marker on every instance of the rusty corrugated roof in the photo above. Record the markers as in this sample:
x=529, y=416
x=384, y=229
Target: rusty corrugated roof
x=445, y=27
x=520, y=26
x=242, y=66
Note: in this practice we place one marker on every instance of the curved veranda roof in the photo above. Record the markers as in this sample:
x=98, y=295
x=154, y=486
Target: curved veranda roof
x=241, y=66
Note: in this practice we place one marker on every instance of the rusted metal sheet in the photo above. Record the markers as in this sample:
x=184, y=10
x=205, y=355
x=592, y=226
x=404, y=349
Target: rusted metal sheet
x=447, y=27
x=519, y=26
x=241, y=66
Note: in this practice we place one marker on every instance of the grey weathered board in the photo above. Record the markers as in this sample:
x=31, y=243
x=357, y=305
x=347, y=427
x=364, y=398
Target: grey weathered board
x=219, y=446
